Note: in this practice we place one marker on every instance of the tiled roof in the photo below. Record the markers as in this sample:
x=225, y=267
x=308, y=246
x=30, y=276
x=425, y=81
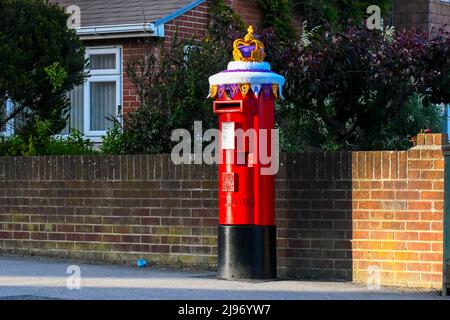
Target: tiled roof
x=118, y=12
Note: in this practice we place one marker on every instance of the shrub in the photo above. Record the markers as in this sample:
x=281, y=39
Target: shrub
x=12, y=146
x=352, y=88
x=74, y=144
x=41, y=60
x=358, y=83
x=43, y=143
x=415, y=114
x=113, y=141
x=173, y=87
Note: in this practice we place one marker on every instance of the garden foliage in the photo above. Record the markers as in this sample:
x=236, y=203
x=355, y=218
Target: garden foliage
x=350, y=89
x=41, y=60
x=172, y=86
x=358, y=84
x=347, y=87
x=43, y=142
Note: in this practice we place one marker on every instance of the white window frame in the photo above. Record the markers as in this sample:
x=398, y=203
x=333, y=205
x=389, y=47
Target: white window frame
x=102, y=50
x=104, y=75
x=87, y=103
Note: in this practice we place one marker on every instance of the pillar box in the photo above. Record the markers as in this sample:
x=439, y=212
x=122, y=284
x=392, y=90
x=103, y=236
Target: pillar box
x=244, y=103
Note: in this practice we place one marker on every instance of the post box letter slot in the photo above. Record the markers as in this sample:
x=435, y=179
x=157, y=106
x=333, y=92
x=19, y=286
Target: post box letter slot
x=227, y=106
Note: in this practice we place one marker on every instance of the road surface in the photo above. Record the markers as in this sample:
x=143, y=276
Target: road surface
x=38, y=278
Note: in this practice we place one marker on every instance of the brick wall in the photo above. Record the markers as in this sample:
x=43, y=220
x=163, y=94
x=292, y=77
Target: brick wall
x=398, y=213
x=439, y=14
x=132, y=50
x=248, y=10
x=423, y=14
x=337, y=213
x=115, y=208
x=193, y=23
x=409, y=13
x=313, y=210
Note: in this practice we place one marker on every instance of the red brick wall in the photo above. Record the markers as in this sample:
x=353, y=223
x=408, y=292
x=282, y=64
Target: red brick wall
x=398, y=213
x=337, y=213
x=409, y=13
x=249, y=11
x=130, y=50
x=193, y=23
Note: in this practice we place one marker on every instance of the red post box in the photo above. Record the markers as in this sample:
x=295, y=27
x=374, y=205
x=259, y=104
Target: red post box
x=245, y=97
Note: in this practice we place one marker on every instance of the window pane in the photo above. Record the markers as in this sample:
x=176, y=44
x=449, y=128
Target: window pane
x=103, y=61
x=75, y=120
x=103, y=105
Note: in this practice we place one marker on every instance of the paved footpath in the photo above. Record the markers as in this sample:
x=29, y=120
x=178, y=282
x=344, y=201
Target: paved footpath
x=34, y=278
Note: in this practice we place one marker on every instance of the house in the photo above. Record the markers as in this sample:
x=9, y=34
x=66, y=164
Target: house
x=112, y=31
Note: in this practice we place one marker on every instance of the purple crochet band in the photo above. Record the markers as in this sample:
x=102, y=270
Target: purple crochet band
x=248, y=70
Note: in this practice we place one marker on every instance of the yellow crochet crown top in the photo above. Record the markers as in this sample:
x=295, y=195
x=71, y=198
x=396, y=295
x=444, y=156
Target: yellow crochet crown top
x=248, y=49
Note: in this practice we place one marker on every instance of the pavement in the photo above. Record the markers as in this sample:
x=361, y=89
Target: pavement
x=31, y=278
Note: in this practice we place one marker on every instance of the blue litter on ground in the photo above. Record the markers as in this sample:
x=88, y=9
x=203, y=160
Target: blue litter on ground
x=142, y=263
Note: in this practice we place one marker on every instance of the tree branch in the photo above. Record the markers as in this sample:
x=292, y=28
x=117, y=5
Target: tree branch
x=11, y=115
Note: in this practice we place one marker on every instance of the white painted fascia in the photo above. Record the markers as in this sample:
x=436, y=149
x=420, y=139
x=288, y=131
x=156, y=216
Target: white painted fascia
x=123, y=30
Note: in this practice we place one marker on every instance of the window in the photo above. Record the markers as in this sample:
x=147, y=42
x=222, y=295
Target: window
x=97, y=101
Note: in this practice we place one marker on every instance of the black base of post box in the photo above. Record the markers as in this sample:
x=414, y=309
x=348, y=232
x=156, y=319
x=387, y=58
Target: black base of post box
x=247, y=252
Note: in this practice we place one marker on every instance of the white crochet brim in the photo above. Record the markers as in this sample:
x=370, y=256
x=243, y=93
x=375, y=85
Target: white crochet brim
x=246, y=77
x=253, y=73
x=244, y=65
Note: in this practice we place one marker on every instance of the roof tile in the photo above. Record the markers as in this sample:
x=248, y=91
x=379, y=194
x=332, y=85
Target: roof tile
x=117, y=12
